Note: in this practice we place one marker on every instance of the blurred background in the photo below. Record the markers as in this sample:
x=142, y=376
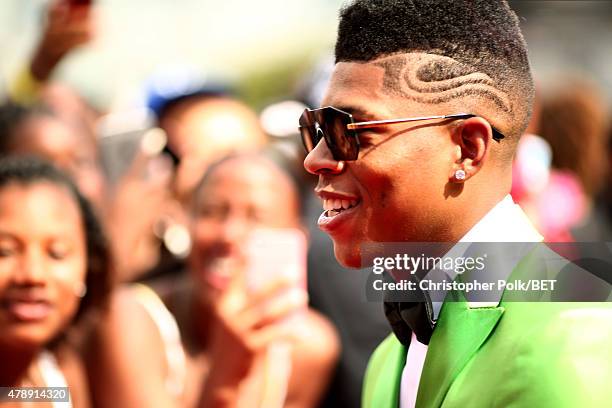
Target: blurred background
x=266, y=45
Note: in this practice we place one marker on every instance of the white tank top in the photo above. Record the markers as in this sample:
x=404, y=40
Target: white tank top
x=53, y=376
x=170, y=335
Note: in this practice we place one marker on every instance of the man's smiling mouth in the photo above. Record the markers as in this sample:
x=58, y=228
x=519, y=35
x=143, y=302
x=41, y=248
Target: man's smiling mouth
x=336, y=212
x=334, y=206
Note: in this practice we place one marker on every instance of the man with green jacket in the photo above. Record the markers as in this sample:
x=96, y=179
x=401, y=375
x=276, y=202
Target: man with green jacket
x=414, y=143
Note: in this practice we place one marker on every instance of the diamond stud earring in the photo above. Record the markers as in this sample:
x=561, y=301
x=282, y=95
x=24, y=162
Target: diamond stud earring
x=460, y=175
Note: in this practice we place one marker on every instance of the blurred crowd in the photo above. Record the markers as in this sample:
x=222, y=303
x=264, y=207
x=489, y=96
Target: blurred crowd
x=135, y=260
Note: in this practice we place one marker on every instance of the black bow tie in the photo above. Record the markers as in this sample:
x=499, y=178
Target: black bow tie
x=408, y=317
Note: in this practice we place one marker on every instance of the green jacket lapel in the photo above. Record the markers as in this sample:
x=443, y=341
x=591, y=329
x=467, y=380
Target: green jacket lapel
x=384, y=374
x=459, y=333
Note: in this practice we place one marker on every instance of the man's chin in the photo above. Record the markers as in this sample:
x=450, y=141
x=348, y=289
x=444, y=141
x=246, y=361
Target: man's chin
x=349, y=257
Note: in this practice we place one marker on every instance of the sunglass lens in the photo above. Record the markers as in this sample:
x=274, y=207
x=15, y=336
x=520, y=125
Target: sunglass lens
x=341, y=141
x=331, y=124
x=310, y=137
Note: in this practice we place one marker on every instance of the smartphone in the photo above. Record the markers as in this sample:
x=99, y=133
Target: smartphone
x=273, y=253
x=118, y=150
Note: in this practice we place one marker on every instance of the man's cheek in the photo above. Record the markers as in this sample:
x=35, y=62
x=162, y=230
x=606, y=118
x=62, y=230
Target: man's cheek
x=382, y=189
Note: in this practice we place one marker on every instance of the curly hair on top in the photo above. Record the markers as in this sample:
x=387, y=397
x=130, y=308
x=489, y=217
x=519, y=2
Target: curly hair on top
x=480, y=35
x=28, y=171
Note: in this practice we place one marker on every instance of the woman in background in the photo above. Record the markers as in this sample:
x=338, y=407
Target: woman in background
x=128, y=220
x=202, y=340
x=54, y=267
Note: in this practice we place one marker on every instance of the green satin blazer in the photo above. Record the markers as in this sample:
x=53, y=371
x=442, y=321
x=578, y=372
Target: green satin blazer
x=518, y=354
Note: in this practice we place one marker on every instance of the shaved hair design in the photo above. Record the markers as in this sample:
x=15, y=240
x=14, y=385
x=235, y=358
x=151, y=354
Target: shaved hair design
x=435, y=51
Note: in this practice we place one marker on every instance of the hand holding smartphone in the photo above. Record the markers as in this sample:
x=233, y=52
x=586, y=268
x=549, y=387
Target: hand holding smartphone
x=276, y=253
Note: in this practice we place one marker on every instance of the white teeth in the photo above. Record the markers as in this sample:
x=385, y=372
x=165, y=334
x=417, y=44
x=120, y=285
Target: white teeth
x=337, y=204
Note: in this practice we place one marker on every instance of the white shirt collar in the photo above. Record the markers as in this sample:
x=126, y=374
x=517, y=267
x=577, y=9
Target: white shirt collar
x=506, y=222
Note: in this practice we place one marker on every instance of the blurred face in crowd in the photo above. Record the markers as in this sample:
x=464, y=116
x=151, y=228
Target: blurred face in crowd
x=51, y=139
x=239, y=195
x=42, y=262
x=69, y=105
x=201, y=131
x=397, y=188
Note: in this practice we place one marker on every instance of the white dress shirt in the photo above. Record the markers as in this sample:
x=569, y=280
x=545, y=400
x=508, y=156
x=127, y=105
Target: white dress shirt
x=506, y=222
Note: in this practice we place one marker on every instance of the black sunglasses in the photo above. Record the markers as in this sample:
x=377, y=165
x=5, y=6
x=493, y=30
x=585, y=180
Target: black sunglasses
x=340, y=130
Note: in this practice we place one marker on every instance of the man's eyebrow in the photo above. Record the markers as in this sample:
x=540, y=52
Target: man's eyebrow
x=358, y=112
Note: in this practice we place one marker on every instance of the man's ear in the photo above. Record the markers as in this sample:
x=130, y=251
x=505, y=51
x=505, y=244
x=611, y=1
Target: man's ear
x=472, y=138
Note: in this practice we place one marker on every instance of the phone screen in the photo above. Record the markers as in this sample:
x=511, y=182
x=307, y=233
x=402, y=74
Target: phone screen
x=274, y=253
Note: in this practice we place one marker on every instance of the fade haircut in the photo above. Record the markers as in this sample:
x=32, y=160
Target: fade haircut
x=475, y=49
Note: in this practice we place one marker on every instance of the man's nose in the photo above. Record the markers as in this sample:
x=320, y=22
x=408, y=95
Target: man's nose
x=321, y=161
